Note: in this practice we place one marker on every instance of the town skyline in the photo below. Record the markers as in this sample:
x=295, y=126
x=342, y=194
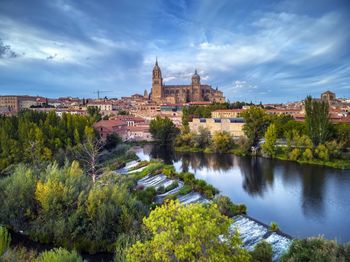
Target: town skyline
x=272, y=52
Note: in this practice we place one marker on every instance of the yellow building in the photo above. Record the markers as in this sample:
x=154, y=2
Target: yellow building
x=232, y=125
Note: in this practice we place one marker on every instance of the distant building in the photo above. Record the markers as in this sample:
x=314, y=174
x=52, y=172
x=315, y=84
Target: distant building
x=108, y=127
x=174, y=94
x=13, y=104
x=328, y=96
x=232, y=125
x=226, y=113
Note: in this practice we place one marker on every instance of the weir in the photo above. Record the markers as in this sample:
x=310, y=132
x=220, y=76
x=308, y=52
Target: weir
x=251, y=230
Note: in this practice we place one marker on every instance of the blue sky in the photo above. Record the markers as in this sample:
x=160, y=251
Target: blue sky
x=270, y=51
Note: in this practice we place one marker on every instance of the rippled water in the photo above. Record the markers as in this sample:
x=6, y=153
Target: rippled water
x=305, y=200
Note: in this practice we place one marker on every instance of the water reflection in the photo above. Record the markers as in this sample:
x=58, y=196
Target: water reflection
x=304, y=199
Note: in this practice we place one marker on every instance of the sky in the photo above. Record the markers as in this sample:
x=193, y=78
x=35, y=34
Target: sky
x=269, y=51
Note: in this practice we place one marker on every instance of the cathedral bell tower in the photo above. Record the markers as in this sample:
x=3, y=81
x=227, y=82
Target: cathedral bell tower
x=196, y=87
x=157, y=83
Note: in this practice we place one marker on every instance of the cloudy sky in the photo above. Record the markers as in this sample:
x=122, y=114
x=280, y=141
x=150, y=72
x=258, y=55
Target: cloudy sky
x=265, y=51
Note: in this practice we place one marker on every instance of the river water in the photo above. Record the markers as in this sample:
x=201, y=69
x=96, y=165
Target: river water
x=305, y=200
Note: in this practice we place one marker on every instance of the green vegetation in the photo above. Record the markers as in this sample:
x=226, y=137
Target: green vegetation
x=59, y=255
x=227, y=208
x=33, y=137
x=163, y=130
x=262, y=252
x=316, y=141
x=316, y=249
x=63, y=206
x=5, y=240
x=274, y=227
x=179, y=233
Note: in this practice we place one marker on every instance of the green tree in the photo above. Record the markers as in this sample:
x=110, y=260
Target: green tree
x=5, y=240
x=163, y=130
x=191, y=233
x=203, y=138
x=269, y=147
x=112, y=141
x=223, y=142
x=94, y=112
x=262, y=252
x=256, y=122
x=321, y=152
x=59, y=255
x=317, y=120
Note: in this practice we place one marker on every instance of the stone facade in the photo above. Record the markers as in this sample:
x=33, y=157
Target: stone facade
x=232, y=125
x=182, y=93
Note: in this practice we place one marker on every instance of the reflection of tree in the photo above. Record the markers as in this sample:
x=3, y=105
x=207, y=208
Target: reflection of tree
x=313, y=179
x=166, y=153
x=256, y=172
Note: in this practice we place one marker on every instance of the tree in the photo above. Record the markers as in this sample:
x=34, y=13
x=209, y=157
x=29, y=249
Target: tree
x=255, y=125
x=94, y=112
x=163, y=130
x=269, y=147
x=59, y=255
x=112, y=141
x=5, y=240
x=262, y=252
x=317, y=120
x=89, y=154
x=222, y=142
x=193, y=232
x=203, y=138
x=321, y=152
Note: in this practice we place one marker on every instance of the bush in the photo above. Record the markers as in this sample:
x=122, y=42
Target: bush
x=59, y=255
x=274, y=227
x=146, y=196
x=172, y=186
x=5, y=240
x=316, y=249
x=225, y=205
x=185, y=190
x=262, y=252
x=295, y=154
x=241, y=209
x=307, y=155
x=161, y=190
x=321, y=152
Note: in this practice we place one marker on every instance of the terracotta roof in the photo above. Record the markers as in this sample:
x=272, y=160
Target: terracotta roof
x=228, y=110
x=109, y=123
x=138, y=128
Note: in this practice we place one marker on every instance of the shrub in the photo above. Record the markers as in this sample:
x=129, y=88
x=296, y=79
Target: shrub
x=307, y=155
x=5, y=240
x=262, y=252
x=172, y=186
x=321, y=152
x=59, y=255
x=274, y=227
x=295, y=154
x=225, y=205
x=241, y=209
x=146, y=196
x=161, y=190
x=185, y=190
x=316, y=249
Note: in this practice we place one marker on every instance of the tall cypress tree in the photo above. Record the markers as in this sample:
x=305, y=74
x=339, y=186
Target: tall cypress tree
x=317, y=120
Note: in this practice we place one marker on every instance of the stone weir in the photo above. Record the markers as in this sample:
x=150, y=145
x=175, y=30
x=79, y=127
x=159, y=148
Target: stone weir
x=251, y=230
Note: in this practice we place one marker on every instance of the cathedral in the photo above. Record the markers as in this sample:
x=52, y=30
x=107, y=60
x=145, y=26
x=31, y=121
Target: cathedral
x=173, y=94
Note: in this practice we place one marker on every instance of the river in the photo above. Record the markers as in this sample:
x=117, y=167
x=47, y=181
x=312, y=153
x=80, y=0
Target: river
x=305, y=200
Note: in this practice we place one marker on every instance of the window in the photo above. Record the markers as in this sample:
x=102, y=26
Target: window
x=202, y=120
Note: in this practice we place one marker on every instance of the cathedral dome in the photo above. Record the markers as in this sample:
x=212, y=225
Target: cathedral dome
x=196, y=78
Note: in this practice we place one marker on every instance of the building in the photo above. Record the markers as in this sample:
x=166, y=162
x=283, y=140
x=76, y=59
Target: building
x=175, y=94
x=108, y=127
x=226, y=113
x=14, y=104
x=139, y=133
x=232, y=125
x=328, y=96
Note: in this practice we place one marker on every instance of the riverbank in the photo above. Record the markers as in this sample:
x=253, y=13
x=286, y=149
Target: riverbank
x=336, y=163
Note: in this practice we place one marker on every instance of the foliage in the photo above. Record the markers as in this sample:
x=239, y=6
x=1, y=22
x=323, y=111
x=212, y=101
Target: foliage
x=256, y=122
x=33, y=137
x=317, y=120
x=5, y=240
x=63, y=206
x=202, y=139
x=274, y=227
x=59, y=255
x=94, y=112
x=163, y=130
x=227, y=208
x=295, y=154
x=316, y=249
x=222, y=142
x=188, y=232
x=262, y=252
x=321, y=152
x=269, y=147
x=112, y=141
x=307, y=155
